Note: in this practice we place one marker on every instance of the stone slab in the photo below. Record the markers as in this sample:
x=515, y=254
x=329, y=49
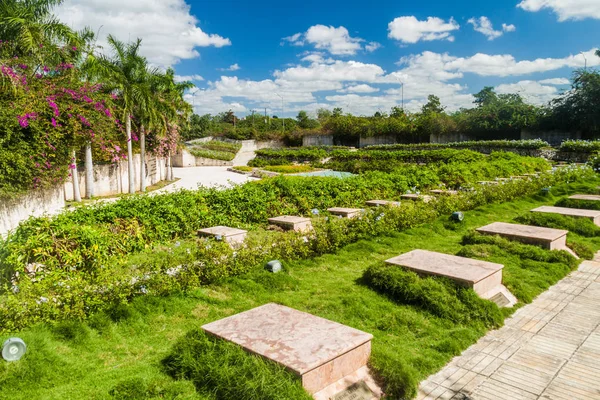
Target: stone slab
x=382, y=203
x=445, y=192
x=482, y=276
x=417, y=197
x=488, y=182
x=552, y=239
x=318, y=350
x=346, y=212
x=571, y=212
x=298, y=224
x=230, y=235
x=589, y=197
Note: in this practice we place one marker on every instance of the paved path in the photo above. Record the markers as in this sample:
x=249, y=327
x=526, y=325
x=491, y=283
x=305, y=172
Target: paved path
x=549, y=349
x=191, y=177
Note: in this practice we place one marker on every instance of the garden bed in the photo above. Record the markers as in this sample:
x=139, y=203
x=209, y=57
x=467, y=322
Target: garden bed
x=129, y=349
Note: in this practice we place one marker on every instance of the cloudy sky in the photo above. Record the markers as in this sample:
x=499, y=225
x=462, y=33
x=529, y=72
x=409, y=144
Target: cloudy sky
x=352, y=54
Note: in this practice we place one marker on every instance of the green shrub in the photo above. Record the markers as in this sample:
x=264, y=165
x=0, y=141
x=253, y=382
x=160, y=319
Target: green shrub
x=533, y=144
x=582, y=226
x=226, y=370
x=587, y=146
x=583, y=204
x=524, y=251
x=440, y=296
x=289, y=169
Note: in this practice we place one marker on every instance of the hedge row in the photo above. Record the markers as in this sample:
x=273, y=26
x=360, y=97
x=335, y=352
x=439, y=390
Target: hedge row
x=533, y=144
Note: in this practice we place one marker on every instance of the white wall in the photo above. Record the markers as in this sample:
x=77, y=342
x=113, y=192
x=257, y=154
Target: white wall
x=112, y=179
x=34, y=204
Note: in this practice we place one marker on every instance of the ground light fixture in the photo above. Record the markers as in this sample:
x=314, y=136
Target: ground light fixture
x=458, y=216
x=13, y=349
x=273, y=266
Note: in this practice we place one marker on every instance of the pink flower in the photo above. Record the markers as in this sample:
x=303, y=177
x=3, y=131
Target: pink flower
x=54, y=124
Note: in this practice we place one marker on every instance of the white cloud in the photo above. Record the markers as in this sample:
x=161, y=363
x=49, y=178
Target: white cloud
x=311, y=86
x=295, y=39
x=234, y=67
x=169, y=32
x=362, y=88
x=372, y=46
x=508, y=28
x=565, y=9
x=555, y=81
x=506, y=65
x=532, y=91
x=336, y=41
x=192, y=78
x=338, y=71
x=484, y=25
x=409, y=29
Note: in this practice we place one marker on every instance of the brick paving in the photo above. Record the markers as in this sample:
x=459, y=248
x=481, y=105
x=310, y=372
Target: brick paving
x=549, y=349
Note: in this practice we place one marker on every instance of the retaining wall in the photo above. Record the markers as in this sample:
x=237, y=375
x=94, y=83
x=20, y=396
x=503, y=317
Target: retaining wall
x=34, y=204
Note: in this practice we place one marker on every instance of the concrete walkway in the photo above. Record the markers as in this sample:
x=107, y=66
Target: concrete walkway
x=191, y=177
x=549, y=349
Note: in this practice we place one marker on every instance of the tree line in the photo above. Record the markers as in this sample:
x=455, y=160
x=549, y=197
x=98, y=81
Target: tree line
x=493, y=116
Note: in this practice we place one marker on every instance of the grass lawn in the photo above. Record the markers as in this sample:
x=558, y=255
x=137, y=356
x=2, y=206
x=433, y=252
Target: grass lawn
x=90, y=360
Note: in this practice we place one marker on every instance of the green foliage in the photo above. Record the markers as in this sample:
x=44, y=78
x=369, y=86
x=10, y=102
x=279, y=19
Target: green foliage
x=92, y=258
x=588, y=146
x=533, y=144
x=140, y=389
x=524, y=251
x=214, y=149
x=583, y=204
x=577, y=110
x=581, y=226
x=439, y=296
x=289, y=169
x=225, y=369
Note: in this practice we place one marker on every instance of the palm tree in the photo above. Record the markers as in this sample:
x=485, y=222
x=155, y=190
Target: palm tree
x=172, y=107
x=126, y=73
x=30, y=25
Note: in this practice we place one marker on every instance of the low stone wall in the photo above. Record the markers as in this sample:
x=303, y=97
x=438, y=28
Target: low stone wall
x=34, y=204
x=376, y=140
x=317, y=140
x=450, y=138
x=112, y=179
x=555, y=138
x=184, y=158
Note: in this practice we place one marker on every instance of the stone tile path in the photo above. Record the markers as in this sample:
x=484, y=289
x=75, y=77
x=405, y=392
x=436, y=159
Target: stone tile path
x=549, y=349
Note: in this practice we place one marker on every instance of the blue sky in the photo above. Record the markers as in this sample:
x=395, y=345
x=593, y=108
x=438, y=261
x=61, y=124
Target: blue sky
x=353, y=54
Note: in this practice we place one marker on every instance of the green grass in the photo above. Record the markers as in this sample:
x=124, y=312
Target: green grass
x=123, y=351
x=289, y=169
x=215, y=150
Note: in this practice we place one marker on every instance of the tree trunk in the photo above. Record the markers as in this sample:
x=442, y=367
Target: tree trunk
x=75, y=176
x=89, y=171
x=130, y=170
x=142, y=159
x=169, y=170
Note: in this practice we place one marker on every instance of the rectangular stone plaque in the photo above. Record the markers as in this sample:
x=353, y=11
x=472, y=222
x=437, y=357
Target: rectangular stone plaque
x=588, y=197
x=358, y=391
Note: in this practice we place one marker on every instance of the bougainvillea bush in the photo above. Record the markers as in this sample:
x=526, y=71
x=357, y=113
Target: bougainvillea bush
x=46, y=111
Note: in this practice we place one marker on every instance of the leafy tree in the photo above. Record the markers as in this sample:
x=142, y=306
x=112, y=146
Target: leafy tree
x=305, y=122
x=30, y=25
x=125, y=72
x=579, y=108
x=485, y=97
x=433, y=105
